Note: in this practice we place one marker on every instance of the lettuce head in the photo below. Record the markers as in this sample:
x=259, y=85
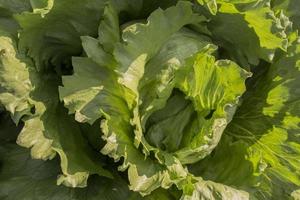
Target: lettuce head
x=149, y=99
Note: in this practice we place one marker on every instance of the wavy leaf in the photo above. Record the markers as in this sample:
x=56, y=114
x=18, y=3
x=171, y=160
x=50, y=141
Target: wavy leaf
x=48, y=129
x=261, y=145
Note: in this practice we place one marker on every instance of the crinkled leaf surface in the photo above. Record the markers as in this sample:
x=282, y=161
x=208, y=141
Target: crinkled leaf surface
x=14, y=76
x=291, y=8
x=208, y=190
x=23, y=178
x=52, y=48
x=248, y=34
x=161, y=92
x=47, y=126
x=51, y=34
x=261, y=144
x=116, y=87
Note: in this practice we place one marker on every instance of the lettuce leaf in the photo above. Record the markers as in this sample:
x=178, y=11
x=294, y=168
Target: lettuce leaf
x=23, y=178
x=248, y=33
x=290, y=8
x=33, y=96
x=39, y=37
x=159, y=90
x=125, y=83
x=261, y=144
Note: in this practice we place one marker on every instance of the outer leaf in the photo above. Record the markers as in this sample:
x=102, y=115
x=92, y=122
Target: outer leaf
x=14, y=76
x=250, y=34
x=261, y=145
x=208, y=190
x=295, y=194
x=47, y=127
x=41, y=39
x=211, y=5
x=73, y=19
x=22, y=178
x=14, y=6
x=291, y=8
x=41, y=6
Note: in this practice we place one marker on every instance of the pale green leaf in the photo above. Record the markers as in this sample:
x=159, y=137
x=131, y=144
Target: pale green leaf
x=261, y=144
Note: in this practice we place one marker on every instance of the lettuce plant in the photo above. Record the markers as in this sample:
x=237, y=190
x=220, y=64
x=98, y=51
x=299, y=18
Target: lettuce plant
x=149, y=99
